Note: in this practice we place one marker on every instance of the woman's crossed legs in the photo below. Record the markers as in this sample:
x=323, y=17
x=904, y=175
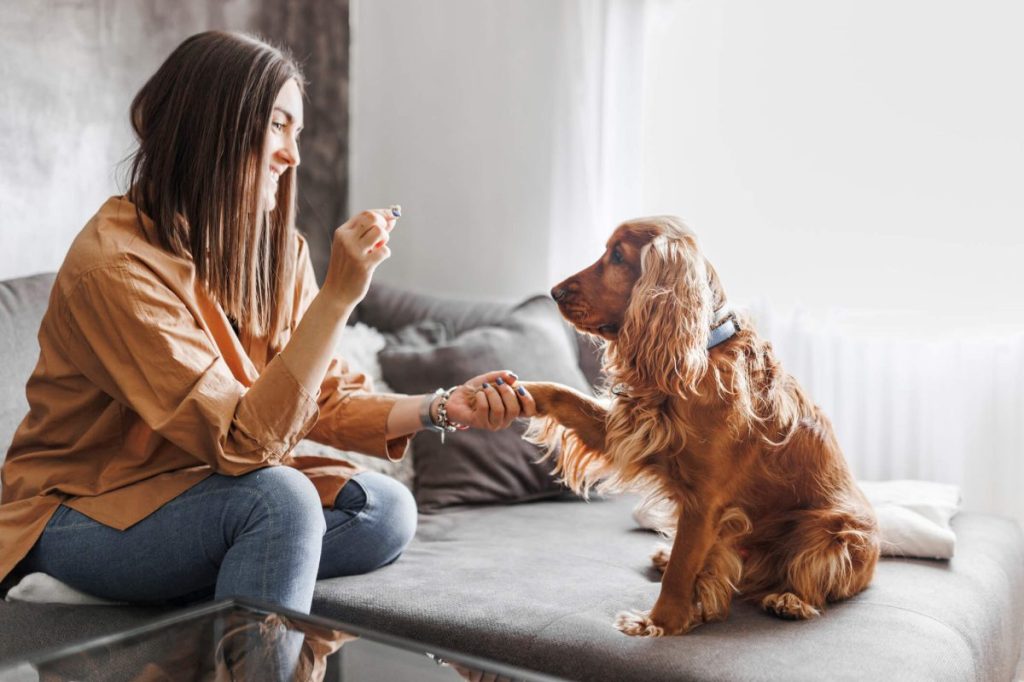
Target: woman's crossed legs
x=263, y=536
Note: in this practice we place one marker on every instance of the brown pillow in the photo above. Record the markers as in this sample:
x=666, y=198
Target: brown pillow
x=477, y=466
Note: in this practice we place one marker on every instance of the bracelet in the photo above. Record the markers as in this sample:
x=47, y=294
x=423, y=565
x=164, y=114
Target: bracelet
x=425, y=419
x=444, y=424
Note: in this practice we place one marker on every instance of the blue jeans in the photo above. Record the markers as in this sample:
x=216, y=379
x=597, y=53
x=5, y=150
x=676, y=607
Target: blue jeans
x=263, y=535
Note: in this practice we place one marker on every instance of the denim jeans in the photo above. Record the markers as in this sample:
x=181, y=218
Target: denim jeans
x=263, y=535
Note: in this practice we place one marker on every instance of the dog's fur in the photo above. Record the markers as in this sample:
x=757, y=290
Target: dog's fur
x=747, y=469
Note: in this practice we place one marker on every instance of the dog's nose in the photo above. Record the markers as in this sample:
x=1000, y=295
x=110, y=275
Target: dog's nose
x=558, y=293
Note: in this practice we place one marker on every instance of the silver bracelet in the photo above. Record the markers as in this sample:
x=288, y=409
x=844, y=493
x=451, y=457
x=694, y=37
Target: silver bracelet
x=444, y=424
x=425, y=419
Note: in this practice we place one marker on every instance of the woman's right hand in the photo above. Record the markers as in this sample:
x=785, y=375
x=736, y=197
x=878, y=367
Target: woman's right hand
x=358, y=247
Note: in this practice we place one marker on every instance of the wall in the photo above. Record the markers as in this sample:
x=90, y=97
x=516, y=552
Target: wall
x=70, y=71
x=865, y=157
x=451, y=118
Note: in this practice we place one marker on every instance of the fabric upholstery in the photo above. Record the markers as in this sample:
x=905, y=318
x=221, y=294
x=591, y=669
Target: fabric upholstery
x=479, y=466
x=538, y=585
x=389, y=309
x=22, y=303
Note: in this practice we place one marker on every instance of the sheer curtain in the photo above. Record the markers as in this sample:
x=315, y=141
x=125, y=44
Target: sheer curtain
x=597, y=114
x=946, y=408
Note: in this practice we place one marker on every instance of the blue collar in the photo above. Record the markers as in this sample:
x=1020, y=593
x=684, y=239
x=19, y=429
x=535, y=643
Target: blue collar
x=723, y=332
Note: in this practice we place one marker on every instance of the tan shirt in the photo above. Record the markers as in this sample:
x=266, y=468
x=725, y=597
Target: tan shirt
x=143, y=389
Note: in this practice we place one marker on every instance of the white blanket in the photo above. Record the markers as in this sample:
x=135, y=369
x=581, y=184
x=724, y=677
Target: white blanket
x=913, y=517
x=39, y=587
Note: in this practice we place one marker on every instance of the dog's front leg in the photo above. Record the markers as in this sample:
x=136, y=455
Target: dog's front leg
x=569, y=408
x=675, y=612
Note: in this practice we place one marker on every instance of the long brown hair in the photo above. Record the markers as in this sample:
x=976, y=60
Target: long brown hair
x=201, y=122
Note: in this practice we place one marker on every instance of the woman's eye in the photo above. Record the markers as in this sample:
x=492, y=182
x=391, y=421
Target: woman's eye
x=277, y=125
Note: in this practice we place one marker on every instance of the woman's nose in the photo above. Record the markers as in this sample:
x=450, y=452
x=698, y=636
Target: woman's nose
x=290, y=153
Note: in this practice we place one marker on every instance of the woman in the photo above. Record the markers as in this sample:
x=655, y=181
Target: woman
x=185, y=351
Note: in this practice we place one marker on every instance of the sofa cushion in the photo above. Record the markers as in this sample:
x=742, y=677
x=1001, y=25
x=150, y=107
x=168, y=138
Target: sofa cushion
x=22, y=304
x=391, y=308
x=474, y=467
x=538, y=585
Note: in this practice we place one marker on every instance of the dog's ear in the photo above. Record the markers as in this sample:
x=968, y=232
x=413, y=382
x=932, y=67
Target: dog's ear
x=664, y=336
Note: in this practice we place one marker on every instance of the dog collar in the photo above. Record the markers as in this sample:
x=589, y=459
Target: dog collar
x=723, y=332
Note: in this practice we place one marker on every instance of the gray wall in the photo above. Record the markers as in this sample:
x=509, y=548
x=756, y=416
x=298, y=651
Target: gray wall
x=70, y=70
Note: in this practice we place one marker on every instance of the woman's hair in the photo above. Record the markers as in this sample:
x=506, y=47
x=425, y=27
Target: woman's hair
x=201, y=122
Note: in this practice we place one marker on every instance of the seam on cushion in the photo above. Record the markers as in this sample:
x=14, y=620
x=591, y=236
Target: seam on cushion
x=963, y=637
x=557, y=619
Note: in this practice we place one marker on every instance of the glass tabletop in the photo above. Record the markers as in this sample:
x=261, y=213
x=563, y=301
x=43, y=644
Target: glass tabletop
x=244, y=640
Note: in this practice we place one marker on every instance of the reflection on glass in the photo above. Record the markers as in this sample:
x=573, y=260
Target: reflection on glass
x=231, y=641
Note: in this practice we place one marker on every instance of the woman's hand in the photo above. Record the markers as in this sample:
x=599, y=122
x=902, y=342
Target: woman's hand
x=358, y=247
x=490, y=401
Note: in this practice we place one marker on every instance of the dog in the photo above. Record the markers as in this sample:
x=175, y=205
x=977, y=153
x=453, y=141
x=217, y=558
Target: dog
x=700, y=416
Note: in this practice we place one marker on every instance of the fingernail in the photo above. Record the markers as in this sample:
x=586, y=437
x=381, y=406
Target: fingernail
x=396, y=210
x=499, y=381
x=486, y=385
x=513, y=375
x=522, y=391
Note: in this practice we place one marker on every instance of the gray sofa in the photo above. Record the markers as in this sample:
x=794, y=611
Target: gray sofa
x=538, y=584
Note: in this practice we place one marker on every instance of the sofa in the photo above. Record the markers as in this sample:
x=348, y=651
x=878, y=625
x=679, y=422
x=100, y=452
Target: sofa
x=509, y=566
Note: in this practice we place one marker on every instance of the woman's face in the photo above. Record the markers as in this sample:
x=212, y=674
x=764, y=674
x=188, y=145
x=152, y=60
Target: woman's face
x=281, y=147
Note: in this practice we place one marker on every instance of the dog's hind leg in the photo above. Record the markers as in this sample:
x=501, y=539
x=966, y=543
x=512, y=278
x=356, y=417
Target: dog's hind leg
x=831, y=556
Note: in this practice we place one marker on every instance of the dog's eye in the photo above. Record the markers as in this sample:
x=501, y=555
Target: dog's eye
x=616, y=257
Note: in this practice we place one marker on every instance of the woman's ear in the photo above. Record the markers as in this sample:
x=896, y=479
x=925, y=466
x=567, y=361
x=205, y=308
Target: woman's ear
x=664, y=336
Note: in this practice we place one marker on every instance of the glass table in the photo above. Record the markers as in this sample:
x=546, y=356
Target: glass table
x=243, y=640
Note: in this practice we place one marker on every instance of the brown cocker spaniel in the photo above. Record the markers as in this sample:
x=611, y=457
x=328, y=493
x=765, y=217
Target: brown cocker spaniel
x=704, y=420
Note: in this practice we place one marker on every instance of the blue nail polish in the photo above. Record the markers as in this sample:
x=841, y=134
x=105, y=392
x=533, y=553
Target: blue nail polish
x=499, y=381
x=522, y=391
x=486, y=385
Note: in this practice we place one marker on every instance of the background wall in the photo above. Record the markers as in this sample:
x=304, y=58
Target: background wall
x=859, y=157
x=70, y=71
x=452, y=109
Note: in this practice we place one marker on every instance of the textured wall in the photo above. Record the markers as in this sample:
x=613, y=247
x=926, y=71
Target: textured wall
x=70, y=70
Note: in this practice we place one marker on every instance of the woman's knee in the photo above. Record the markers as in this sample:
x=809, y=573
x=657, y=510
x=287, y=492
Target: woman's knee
x=285, y=496
x=395, y=507
x=374, y=534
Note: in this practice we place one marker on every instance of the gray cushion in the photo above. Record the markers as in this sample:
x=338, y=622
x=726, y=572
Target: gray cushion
x=22, y=304
x=34, y=627
x=389, y=309
x=539, y=585
x=475, y=466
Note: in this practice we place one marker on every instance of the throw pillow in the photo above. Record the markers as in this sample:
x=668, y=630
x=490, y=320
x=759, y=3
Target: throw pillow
x=479, y=466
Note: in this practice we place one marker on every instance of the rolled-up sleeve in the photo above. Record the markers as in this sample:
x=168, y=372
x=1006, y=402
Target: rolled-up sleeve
x=351, y=416
x=137, y=340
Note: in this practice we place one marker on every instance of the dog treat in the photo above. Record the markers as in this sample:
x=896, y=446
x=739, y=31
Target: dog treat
x=396, y=210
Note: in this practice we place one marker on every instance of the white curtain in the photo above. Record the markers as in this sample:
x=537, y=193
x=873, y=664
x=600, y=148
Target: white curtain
x=597, y=116
x=945, y=407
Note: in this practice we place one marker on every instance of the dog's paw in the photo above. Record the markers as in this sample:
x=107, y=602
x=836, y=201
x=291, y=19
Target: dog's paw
x=788, y=606
x=660, y=558
x=642, y=624
x=638, y=624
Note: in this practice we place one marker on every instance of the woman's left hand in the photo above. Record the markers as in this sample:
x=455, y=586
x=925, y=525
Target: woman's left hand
x=490, y=401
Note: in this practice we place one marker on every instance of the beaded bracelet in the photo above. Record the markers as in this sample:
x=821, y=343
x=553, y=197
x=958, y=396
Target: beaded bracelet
x=443, y=423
